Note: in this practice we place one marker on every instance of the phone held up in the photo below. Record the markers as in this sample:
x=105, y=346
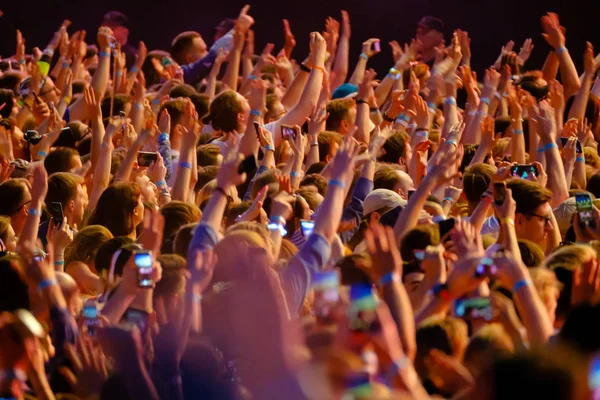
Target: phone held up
x=143, y=262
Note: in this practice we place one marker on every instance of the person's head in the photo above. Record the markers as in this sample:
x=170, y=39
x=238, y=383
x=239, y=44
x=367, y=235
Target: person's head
x=228, y=112
x=229, y=253
x=85, y=245
x=72, y=135
x=329, y=143
x=172, y=283
x=579, y=333
x=182, y=90
x=7, y=235
x=418, y=239
x=201, y=103
x=66, y=188
x=177, y=214
x=393, y=179
x=430, y=32
x=188, y=47
x=153, y=77
x=105, y=253
x=566, y=262
x=593, y=185
x=490, y=343
x=532, y=254
x=63, y=159
x=183, y=237
x=119, y=209
x=315, y=180
x=275, y=109
x=342, y=115
x=119, y=23
x=15, y=198
x=11, y=109
x=209, y=154
x=476, y=180
x=548, y=288
x=533, y=213
x=397, y=150
x=121, y=102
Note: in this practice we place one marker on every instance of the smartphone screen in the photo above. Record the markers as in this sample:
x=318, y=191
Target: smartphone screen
x=327, y=294
x=523, y=171
x=578, y=148
x=445, y=227
x=474, y=308
x=307, y=227
x=248, y=164
x=143, y=262
x=594, y=378
x=288, y=132
x=56, y=211
x=146, y=158
x=377, y=46
x=90, y=316
x=585, y=209
x=486, y=268
x=499, y=193
x=419, y=255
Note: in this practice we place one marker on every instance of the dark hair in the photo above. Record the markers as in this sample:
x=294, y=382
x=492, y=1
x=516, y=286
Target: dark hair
x=175, y=107
x=182, y=43
x=476, y=180
x=12, y=285
x=386, y=178
x=86, y=243
x=115, y=18
x=60, y=160
x=62, y=188
x=106, y=251
x=183, y=237
x=6, y=96
x=395, y=147
x=172, y=282
x=325, y=140
x=115, y=208
x=182, y=90
x=223, y=112
x=150, y=73
x=177, y=214
x=315, y=180
x=121, y=100
x=11, y=80
x=418, y=239
x=208, y=155
x=201, y=103
x=12, y=193
x=578, y=332
x=593, y=185
x=528, y=195
x=205, y=175
x=352, y=269
x=338, y=111
x=317, y=167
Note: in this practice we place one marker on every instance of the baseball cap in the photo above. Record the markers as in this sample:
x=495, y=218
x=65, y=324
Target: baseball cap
x=382, y=198
x=344, y=91
x=432, y=23
x=564, y=214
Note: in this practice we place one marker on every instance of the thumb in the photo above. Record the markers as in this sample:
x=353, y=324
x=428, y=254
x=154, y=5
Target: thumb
x=69, y=376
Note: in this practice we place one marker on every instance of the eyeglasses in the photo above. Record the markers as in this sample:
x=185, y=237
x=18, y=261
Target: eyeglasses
x=547, y=220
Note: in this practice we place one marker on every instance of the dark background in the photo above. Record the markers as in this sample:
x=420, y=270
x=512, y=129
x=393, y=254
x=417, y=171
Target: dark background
x=490, y=24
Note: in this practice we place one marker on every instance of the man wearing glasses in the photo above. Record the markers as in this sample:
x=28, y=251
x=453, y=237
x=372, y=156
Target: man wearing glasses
x=15, y=197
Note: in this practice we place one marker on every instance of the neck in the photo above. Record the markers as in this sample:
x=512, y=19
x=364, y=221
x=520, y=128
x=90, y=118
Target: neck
x=176, y=143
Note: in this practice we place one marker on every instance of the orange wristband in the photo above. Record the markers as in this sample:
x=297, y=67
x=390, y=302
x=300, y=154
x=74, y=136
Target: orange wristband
x=319, y=68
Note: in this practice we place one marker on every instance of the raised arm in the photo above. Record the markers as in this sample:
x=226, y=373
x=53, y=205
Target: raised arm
x=39, y=188
x=340, y=67
x=368, y=51
x=188, y=147
x=590, y=66
x=233, y=66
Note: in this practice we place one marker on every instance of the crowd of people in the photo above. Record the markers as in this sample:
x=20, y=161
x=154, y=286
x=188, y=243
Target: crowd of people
x=231, y=222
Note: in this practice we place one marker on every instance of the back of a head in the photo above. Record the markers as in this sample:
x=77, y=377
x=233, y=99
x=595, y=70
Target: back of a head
x=223, y=112
x=62, y=188
x=86, y=244
x=182, y=90
x=208, y=155
x=107, y=250
x=115, y=18
x=531, y=253
x=183, y=43
x=528, y=195
x=175, y=107
x=60, y=160
x=177, y=214
x=489, y=344
x=115, y=208
x=13, y=195
x=6, y=97
x=577, y=331
x=14, y=290
x=386, y=177
x=593, y=185
x=183, y=237
x=418, y=239
x=201, y=103
x=476, y=180
x=172, y=282
x=395, y=147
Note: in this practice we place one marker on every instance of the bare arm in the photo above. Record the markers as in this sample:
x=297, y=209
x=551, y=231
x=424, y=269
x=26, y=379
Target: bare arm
x=233, y=66
x=340, y=66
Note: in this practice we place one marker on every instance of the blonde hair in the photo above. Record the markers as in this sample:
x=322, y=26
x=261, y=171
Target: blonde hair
x=85, y=244
x=545, y=282
x=500, y=148
x=489, y=343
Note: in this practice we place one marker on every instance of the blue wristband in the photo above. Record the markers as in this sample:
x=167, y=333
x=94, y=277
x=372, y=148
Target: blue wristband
x=161, y=183
x=561, y=50
x=47, y=283
x=252, y=77
x=337, y=182
x=184, y=164
x=403, y=117
x=134, y=69
x=450, y=199
x=422, y=133
x=156, y=101
x=256, y=112
x=518, y=131
x=42, y=153
x=119, y=73
x=364, y=56
x=550, y=146
x=580, y=159
x=485, y=100
x=269, y=147
x=521, y=284
x=294, y=174
x=451, y=141
x=163, y=137
x=59, y=263
x=450, y=101
x=431, y=106
x=34, y=211
x=388, y=278
x=139, y=106
x=103, y=54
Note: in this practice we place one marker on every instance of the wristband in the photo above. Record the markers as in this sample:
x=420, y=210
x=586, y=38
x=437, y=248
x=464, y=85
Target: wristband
x=364, y=56
x=22, y=62
x=313, y=144
x=508, y=221
x=361, y=101
x=119, y=73
x=318, y=68
x=422, y=133
x=252, y=77
x=472, y=113
x=450, y=199
x=388, y=278
x=138, y=106
x=403, y=117
x=49, y=52
x=277, y=224
x=269, y=147
x=161, y=183
x=304, y=68
x=42, y=153
x=134, y=69
x=387, y=119
x=450, y=101
x=337, y=182
x=394, y=71
x=294, y=174
x=163, y=137
x=412, y=126
x=580, y=159
x=59, y=263
x=498, y=96
x=451, y=141
x=485, y=100
x=521, y=284
x=184, y=164
x=561, y=50
x=156, y=101
x=47, y=283
x=373, y=109
x=222, y=191
x=256, y=112
x=518, y=131
x=34, y=211
x=547, y=147
x=196, y=298
x=103, y=54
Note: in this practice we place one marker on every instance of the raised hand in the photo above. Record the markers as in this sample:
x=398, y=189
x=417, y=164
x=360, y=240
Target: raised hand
x=104, y=37
x=59, y=234
x=367, y=47
x=93, y=105
x=201, y=264
x=553, y=32
x=346, y=28
x=465, y=43
x=385, y=255
x=152, y=233
x=345, y=158
x=590, y=64
x=290, y=40
x=490, y=83
x=228, y=175
x=396, y=50
x=525, y=51
x=157, y=170
x=89, y=370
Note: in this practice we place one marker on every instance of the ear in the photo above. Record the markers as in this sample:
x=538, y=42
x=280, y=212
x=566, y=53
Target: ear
x=375, y=217
x=344, y=126
x=71, y=206
x=327, y=158
x=401, y=161
x=177, y=129
x=519, y=221
x=241, y=118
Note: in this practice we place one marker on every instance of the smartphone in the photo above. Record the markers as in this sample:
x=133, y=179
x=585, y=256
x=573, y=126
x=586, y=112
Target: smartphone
x=143, y=261
x=594, y=378
x=578, y=148
x=288, y=132
x=166, y=61
x=145, y=158
x=419, y=254
x=307, y=227
x=257, y=129
x=32, y=136
x=499, y=193
x=56, y=211
x=248, y=165
x=138, y=318
x=585, y=209
x=410, y=193
x=524, y=170
x=486, y=268
x=327, y=294
x=90, y=316
x=362, y=316
x=377, y=46
x=445, y=227
x=123, y=118
x=474, y=308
